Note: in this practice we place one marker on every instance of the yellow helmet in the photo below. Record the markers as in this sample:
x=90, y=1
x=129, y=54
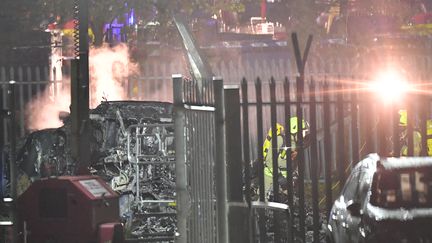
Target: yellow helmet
x=279, y=130
x=294, y=128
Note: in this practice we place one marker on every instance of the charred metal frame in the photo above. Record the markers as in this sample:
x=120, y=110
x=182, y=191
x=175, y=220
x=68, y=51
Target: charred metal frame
x=135, y=135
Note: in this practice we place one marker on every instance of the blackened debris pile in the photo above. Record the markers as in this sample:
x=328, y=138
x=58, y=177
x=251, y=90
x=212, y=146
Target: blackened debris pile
x=132, y=149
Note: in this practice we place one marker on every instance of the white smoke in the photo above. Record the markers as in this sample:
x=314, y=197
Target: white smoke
x=109, y=71
x=43, y=111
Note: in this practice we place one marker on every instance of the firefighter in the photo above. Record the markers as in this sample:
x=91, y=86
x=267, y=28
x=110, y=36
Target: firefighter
x=281, y=149
x=417, y=137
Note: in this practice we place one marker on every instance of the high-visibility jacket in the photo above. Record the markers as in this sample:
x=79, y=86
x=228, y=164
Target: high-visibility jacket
x=281, y=149
x=417, y=137
x=268, y=159
x=429, y=137
x=416, y=142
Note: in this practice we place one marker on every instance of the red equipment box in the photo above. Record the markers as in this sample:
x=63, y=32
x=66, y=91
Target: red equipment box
x=68, y=209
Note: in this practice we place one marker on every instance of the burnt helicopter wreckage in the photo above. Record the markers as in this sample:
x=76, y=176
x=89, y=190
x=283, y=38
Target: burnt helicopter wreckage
x=132, y=149
x=131, y=146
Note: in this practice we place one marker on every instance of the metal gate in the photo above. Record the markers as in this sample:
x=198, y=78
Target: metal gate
x=200, y=166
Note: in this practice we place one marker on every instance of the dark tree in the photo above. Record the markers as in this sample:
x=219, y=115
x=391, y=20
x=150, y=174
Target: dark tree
x=105, y=11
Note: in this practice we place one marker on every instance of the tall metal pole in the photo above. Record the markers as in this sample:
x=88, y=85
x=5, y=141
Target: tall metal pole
x=80, y=94
x=301, y=63
x=84, y=77
x=12, y=158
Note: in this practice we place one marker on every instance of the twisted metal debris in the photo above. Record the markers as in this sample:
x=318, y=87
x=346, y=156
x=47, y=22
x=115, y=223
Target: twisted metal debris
x=132, y=149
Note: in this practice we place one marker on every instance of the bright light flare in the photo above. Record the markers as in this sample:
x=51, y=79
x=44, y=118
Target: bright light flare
x=390, y=86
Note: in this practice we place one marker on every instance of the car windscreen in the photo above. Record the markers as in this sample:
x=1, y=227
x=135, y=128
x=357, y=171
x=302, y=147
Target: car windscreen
x=406, y=188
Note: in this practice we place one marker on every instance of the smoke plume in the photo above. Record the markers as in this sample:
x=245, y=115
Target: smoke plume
x=109, y=71
x=43, y=111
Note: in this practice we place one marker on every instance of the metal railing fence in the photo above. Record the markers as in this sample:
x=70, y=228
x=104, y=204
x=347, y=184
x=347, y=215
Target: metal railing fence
x=200, y=162
x=347, y=120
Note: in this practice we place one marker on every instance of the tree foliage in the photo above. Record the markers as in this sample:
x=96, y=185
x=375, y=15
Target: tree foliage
x=18, y=19
x=105, y=11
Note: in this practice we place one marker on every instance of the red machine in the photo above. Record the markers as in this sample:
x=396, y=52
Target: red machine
x=70, y=209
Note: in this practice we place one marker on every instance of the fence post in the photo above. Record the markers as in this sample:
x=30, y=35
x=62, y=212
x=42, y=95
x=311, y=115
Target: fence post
x=382, y=130
x=340, y=136
x=423, y=110
x=354, y=124
x=289, y=162
x=233, y=145
x=260, y=140
x=410, y=125
x=21, y=103
x=395, y=131
x=183, y=203
x=275, y=155
x=314, y=161
x=327, y=149
x=246, y=149
x=220, y=161
x=3, y=115
x=301, y=63
x=368, y=119
x=300, y=158
x=237, y=215
x=275, y=148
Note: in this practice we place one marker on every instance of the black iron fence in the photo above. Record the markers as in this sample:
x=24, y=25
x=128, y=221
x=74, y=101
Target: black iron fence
x=345, y=119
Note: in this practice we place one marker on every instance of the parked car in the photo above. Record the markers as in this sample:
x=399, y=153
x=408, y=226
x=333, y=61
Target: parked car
x=384, y=200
